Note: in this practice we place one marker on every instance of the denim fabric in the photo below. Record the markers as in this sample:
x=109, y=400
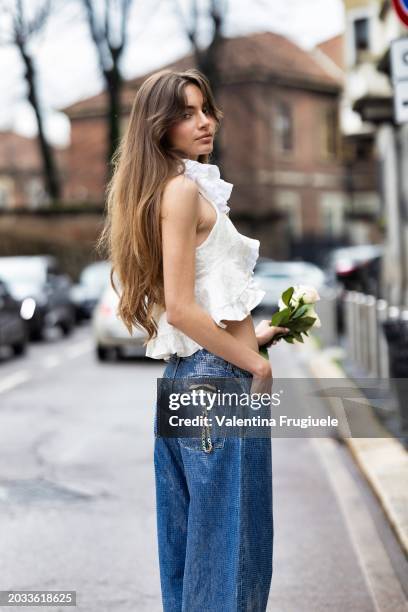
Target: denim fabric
x=214, y=511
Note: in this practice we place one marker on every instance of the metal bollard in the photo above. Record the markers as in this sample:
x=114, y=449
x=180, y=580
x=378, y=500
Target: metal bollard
x=365, y=333
x=356, y=323
x=383, y=367
x=372, y=336
x=326, y=309
x=349, y=324
x=360, y=329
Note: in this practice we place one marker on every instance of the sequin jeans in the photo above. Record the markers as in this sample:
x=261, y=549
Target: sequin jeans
x=214, y=511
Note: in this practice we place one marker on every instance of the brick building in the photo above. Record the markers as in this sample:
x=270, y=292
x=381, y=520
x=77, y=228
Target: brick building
x=21, y=172
x=285, y=157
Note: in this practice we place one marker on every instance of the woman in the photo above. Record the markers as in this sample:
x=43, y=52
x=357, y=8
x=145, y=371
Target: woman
x=185, y=276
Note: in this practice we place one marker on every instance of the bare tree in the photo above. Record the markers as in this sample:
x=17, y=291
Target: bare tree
x=19, y=31
x=108, y=28
x=206, y=59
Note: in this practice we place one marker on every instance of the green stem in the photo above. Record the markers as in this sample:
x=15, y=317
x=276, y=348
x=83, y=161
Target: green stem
x=264, y=352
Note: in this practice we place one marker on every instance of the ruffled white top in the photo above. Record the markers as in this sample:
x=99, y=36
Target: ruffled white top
x=224, y=283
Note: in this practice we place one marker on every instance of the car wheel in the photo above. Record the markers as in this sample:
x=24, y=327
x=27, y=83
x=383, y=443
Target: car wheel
x=37, y=334
x=67, y=327
x=107, y=353
x=19, y=348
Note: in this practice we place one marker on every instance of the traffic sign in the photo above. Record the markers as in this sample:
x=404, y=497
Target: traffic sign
x=399, y=67
x=401, y=8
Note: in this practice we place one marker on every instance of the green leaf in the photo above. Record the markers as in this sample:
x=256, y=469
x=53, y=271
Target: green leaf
x=288, y=338
x=299, y=325
x=300, y=311
x=281, y=316
x=309, y=320
x=286, y=295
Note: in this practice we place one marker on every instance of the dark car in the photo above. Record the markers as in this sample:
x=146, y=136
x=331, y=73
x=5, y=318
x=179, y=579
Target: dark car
x=357, y=267
x=87, y=292
x=44, y=292
x=13, y=331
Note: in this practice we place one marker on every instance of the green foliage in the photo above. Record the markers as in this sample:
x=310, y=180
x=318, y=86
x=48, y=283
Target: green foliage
x=287, y=295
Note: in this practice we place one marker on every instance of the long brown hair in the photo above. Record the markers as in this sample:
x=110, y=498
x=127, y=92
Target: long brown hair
x=143, y=163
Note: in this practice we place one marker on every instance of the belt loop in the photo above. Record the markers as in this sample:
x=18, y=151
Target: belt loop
x=176, y=365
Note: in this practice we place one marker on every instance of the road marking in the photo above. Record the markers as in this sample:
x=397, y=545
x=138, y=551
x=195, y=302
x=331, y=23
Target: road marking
x=383, y=585
x=15, y=379
x=51, y=361
x=79, y=349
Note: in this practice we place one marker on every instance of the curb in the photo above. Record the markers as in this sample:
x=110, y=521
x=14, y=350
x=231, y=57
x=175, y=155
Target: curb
x=382, y=460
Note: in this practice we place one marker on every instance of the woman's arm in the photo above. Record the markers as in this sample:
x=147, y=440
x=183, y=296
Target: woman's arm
x=179, y=223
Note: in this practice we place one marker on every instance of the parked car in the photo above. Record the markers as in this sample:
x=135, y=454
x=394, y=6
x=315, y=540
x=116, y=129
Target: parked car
x=354, y=268
x=357, y=267
x=43, y=291
x=13, y=330
x=276, y=276
x=87, y=292
x=112, y=339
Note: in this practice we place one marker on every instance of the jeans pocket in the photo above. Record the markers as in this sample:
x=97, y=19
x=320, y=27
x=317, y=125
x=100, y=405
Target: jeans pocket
x=205, y=444
x=240, y=372
x=207, y=439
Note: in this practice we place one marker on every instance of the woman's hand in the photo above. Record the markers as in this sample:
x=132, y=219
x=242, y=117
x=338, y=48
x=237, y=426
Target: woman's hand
x=265, y=333
x=262, y=379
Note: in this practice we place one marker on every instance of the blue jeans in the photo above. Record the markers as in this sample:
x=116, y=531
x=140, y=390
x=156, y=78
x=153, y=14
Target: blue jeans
x=214, y=511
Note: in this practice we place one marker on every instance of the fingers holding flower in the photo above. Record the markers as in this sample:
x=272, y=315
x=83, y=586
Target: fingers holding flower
x=266, y=333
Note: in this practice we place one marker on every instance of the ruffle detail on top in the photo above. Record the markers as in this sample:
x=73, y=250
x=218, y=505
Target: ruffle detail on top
x=208, y=178
x=164, y=345
x=171, y=340
x=239, y=307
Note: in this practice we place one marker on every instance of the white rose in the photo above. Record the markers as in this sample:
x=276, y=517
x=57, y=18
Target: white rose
x=307, y=292
x=312, y=313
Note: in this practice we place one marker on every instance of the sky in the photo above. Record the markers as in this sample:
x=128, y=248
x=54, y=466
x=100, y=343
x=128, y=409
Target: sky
x=67, y=66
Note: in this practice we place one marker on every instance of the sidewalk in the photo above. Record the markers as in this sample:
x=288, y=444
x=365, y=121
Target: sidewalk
x=383, y=459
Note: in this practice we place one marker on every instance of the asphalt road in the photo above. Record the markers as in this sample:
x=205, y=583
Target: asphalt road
x=77, y=505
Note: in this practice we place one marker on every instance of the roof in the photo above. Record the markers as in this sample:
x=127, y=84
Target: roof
x=334, y=48
x=260, y=56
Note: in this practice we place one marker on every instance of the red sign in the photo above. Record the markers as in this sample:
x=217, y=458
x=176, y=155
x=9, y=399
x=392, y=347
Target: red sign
x=401, y=8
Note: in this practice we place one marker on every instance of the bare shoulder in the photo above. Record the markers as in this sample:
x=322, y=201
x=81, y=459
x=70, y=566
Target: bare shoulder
x=180, y=197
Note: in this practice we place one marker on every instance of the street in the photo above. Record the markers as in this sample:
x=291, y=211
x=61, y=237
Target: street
x=77, y=503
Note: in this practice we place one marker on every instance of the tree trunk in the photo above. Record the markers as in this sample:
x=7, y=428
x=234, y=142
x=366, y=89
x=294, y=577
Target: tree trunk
x=114, y=89
x=52, y=183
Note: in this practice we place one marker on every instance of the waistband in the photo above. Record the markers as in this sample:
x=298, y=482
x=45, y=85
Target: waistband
x=206, y=355
x=197, y=354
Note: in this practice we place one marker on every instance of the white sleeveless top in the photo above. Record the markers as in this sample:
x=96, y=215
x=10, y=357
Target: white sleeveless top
x=224, y=262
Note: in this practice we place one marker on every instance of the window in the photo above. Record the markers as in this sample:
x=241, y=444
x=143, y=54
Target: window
x=4, y=197
x=35, y=193
x=284, y=127
x=6, y=192
x=289, y=203
x=329, y=131
x=361, y=34
x=332, y=214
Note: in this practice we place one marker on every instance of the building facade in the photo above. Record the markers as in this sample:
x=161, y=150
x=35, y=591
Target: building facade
x=372, y=26
x=280, y=141
x=21, y=172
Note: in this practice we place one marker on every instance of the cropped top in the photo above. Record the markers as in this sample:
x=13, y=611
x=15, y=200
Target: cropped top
x=224, y=263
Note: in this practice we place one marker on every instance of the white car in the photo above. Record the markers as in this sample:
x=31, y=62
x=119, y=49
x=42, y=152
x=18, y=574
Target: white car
x=112, y=339
x=274, y=277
